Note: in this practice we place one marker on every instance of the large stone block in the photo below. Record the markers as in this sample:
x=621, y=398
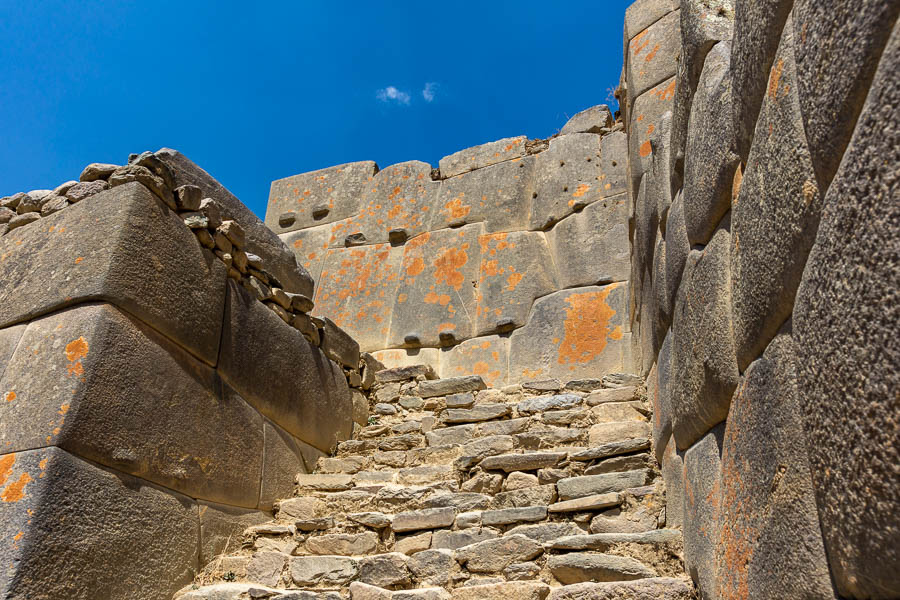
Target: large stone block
x=644, y=117
x=646, y=226
x=770, y=540
x=651, y=54
x=672, y=468
x=357, y=289
x=123, y=247
x=703, y=24
x=9, y=339
x=498, y=196
x=297, y=387
x=643, y=13
x=261, y=240
x=222, y=528
x=845, y=322
x=661, y=179
x=596, y=119
x=283, y=458
x=702, y=495
x=484, y=155
x=516, y=268
x=662, y=398
x=757, y=30
x=591, y=247
x=114, y=391
x=704, y=369
x=571, y=334
x=566, y=176
x=318, y=197
x=614, y=164
x=401, y=196
x=832, y=85
x=436, y=293
x=776, y=215
x=677, y=248
x=310, y=247
x=710, y=161
x=485, y=356
x=73, y=530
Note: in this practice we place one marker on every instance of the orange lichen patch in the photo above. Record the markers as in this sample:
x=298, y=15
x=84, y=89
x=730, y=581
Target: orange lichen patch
x=448, y=265
x=485, y=345
x=418, y=241
x=489, y=268
x=532, y=373
x=63, y=409
x=415, y=267
x=775, y=79
x=432, y=298
x=455, y=209
x=652, y=53
x=401, y=298
x=6, y=467
x=616, y=333
x=446, y=327
x=650, y=129
x=15, y=491
x=513, y=280
x=637, y=44
x=646, y=149
x=666, y=93
x=10, y=396
x=77, y=349
x=586, y=327
x=78, y=260
x=582, y=190
x=18, y=536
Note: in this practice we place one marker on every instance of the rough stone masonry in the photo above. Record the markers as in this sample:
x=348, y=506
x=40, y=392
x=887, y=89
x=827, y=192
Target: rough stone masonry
x=194, y=402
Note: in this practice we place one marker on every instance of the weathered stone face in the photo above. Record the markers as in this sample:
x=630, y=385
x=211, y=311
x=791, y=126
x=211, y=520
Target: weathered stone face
x=644, y=117
x=151, y=266
x=515, y=269
x=318, y=197
x=652, y=54
x=770, y=540
x=485, y=356
x=591, y=247
x=436, y=294
x=498, y=196
x=570, y=335
x=107, y=513
x=482, y=156
x=565, y=175
x=314, y=404
x=776, y=213
x=702, y=496
x=845, y=319
x=114, y=391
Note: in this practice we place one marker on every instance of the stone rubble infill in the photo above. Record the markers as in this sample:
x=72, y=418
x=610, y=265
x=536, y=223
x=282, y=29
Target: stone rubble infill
x=471, y=493
x=225, y=238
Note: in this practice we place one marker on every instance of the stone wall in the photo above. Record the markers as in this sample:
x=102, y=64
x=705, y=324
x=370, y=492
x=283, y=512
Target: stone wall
x=160, y=381
x=763, y=148
x=510, y=261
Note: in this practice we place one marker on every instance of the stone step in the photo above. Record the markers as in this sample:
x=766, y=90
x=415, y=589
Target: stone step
x=657, y=588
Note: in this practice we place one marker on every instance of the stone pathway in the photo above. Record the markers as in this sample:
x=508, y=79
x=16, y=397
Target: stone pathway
x=455, y=491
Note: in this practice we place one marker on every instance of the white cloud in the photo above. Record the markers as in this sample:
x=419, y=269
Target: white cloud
x=429, y=91
x=392, y=94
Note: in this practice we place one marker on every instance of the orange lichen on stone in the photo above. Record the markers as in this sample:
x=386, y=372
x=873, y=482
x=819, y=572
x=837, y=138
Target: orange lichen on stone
x=15, y=491
x=652, y=53
x=513, y=280
x=775, y=79
x=448, y=265
x=75, y=351
x=636, y=45
x=415, y=267
x=78, y=260
x=646, y=149
x=446, y=327
x=6, y=467
x=433, y=298
x=582, y=190
x=455, y=209
x=587, y=327
x=10, y=396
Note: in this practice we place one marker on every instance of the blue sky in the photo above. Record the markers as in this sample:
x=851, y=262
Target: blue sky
x=258, y=91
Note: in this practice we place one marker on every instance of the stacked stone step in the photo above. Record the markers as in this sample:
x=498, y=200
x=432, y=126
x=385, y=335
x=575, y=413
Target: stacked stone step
x=457, y=491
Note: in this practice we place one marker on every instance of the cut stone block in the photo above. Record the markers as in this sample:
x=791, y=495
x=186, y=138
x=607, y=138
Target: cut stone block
x=776, y=215
x=652, y=53
x=509, y=590
x=105, y=511
x=591, y=247
x=576, y=567
x=768, y=508
x=498, y=196
x=492, y=556
x=704, y=368
x=487, y=357
x=451, y=385
x=149, y=264
x=592, y=485
x=221, y=527
x=565, y=175
x=515, y=269
x=314, y=404
x=644, y=117
x=596, y=119
x=482, y=156
x=641, y=14
x=283, y=458
x=702, y=493
x=571, y=334
x=409, y=356
x=656, y=588
x=319, y=197
x=435, y=294
x=358, y=290
x=114, y=391
x=844, y=321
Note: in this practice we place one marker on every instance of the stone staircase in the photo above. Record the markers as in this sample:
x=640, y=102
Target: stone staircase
x=456, y=491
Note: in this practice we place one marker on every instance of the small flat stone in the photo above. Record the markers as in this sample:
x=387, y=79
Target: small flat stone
x=577, y=567
x=530, y=461
x=23, y=219
x=543, y=403
x=453, y=385
x=611, y=449
x=507, y=516
x=464, y=400
x=324, y=483
x=507, y=590
x=492, y=556
x=85, y=189
x=478, y=413
x=95, y=171
x=429, y=518
x=343, y=544
x=411, y=544
x=584, y=385
x=595, y=502
x=591, y=485
x=601, y=396
x=603, y=541
x=543, y=385
x=408, y=372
